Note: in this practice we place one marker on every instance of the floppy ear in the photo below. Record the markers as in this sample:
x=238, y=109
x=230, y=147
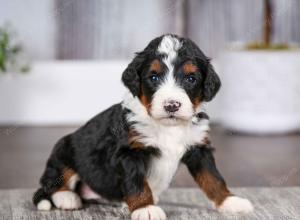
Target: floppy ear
x=131, y=75
x=212, y=84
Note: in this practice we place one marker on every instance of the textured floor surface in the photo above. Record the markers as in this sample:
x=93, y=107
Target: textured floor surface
x=179, y=204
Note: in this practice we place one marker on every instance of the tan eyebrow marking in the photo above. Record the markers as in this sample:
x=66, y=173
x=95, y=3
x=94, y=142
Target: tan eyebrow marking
x=155, y=66
x=189, y=68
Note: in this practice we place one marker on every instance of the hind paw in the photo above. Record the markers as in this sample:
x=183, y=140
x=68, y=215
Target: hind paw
x=67, y=200
x=44, y=205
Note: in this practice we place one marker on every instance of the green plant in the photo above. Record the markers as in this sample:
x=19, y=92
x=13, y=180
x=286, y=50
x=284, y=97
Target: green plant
x=10, y=53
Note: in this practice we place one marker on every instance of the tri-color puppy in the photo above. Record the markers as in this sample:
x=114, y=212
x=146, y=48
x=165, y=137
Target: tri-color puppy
x=131, y=151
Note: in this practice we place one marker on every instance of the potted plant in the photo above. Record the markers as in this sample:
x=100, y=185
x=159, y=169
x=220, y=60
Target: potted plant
x=11, y=59
x=261, y=84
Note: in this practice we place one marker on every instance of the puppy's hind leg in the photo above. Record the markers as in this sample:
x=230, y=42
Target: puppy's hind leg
x=66, y=197
x=59, y=181
x=59, y=191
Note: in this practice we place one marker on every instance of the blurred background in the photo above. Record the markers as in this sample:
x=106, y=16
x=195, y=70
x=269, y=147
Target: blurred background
x=61, y=62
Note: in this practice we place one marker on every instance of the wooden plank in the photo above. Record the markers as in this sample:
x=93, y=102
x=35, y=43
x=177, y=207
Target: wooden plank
x=212, y=24
x=286, y=21
x=101, y=29
x=114, y=29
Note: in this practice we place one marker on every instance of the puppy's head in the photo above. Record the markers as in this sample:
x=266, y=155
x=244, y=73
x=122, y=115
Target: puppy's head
x=171, y=77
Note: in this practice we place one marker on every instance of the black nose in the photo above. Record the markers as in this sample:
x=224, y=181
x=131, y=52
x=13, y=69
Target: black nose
x=172, y=106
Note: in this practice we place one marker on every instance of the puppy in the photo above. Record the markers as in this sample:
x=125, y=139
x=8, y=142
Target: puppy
x=131, y=151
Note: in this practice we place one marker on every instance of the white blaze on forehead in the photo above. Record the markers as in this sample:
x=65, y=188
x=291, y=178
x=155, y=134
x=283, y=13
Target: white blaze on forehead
x=169, y=90
x=169, y=46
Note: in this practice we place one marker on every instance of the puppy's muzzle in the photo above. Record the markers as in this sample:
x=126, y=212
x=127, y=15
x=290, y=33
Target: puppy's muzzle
x=172, y=106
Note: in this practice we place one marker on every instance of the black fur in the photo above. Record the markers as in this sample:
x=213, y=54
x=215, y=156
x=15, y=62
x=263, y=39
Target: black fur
x=137, y=75
x=132, y=75
x=212, y=84
x=199, y=159
x=99, y=152
x=208, y=81
x=202, y=115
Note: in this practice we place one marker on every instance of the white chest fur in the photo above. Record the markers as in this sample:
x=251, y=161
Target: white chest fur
x=172, y=141
x=163, y=168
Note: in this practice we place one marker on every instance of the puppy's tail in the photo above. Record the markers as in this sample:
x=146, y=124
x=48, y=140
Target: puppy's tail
x=42, y=200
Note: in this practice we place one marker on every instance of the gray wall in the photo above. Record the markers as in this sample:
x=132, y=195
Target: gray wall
x=34, y=23
x=115, y=29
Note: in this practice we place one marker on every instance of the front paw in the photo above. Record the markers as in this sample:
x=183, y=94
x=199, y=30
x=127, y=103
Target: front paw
x=234, y=204
x=149, y=212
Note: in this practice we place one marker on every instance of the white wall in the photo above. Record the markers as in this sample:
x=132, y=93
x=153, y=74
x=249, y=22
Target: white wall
x=63, y=93
x=34, y=22
x=60, y=93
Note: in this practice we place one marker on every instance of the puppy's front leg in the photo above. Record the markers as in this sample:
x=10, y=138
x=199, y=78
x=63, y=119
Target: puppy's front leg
x=201, y=164
x=142, y=207
x=133, y=163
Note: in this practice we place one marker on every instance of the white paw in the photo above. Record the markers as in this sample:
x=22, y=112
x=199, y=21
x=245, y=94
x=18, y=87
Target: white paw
x=44, y=205
x=66, y=200
x=234, y=204
x=150, y=212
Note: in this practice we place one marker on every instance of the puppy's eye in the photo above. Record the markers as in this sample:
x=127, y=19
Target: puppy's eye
x=191, y=79
x=154, y=78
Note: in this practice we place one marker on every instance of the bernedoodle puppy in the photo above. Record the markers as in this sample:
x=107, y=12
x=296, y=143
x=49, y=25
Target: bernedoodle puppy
x=130, y=152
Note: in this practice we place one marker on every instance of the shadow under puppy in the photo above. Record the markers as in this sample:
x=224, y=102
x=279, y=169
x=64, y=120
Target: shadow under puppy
x=131, y=151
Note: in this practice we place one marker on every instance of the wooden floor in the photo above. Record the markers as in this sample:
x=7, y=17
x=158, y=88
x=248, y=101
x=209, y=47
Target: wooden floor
x=243, y=160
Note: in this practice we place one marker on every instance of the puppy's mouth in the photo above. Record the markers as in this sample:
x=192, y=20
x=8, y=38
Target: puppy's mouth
x=172, y=119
